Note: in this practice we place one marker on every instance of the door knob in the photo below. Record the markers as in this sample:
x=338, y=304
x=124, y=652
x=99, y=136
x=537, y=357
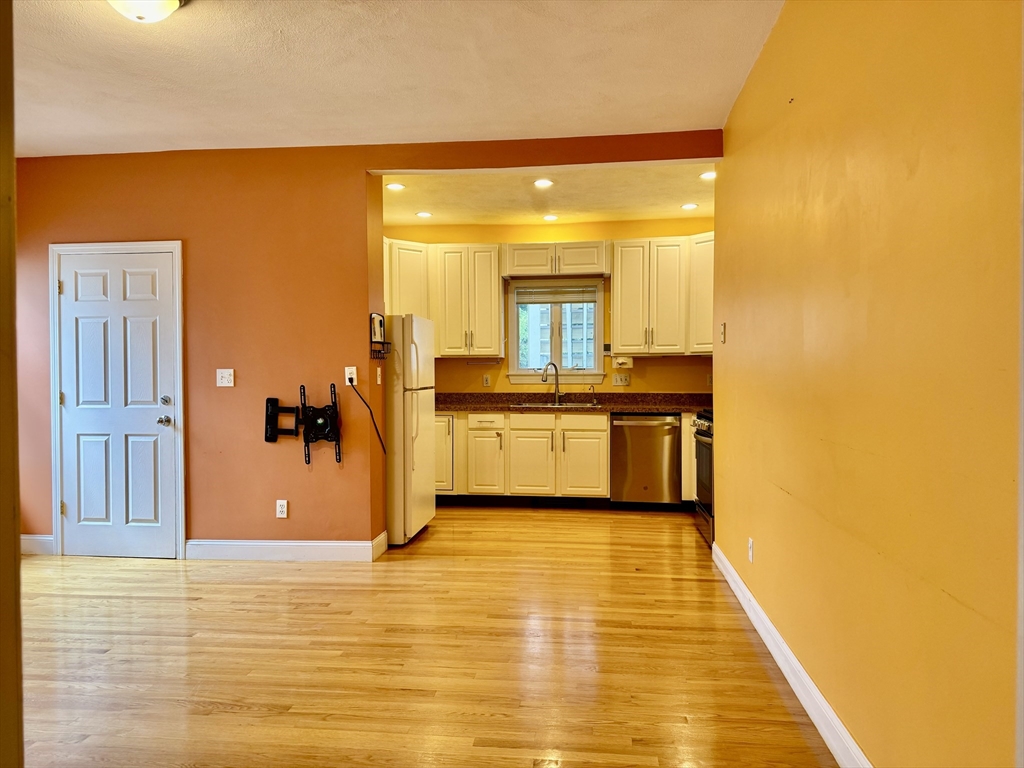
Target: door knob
x=165, y=399
x=164, y=421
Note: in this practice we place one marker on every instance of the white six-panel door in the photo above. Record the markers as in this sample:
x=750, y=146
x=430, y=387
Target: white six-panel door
x=118, y=356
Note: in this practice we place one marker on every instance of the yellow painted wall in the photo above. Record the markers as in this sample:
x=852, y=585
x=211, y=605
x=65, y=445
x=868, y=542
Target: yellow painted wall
x=868, y=218
x=656, y=374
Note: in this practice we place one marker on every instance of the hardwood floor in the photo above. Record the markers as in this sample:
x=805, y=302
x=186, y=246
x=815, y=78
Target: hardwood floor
x=499, y=638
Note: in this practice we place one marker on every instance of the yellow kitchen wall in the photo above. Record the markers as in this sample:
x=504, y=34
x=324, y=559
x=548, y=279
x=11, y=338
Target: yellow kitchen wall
x=868, y=264
x=655, y=374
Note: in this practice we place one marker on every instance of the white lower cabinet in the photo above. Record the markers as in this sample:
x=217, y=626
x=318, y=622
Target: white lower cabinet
x=531, y=454
x=583, y=467
x=444, y=454
x=523, y=454
x=485, y=461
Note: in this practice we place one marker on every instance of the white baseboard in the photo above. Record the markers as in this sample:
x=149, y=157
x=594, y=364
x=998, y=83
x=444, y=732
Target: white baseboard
x=839, y=740
x=298, y=551
x=380, y=544
x=36, y=544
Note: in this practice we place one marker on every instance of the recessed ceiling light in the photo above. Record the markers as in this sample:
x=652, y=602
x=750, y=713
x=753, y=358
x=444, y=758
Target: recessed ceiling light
x=708, y=175
x=424, y=215
x=550, y=217
x=395, y=186
x=688, y=206
x=146, y=11
x=543, y=183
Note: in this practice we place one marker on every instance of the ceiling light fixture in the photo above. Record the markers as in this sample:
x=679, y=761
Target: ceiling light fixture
x=146, y=11
x=424, y=215
x=395, y=186
x=543, y=183
x=688, y=206
x=551, y=217
x=708, y=175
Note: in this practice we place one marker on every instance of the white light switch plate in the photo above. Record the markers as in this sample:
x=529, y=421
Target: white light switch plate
x=487, y=379
x=620, y=379
x=350, y=375
x=225, y=377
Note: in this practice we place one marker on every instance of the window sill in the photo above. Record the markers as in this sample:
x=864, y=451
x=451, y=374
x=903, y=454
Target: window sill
x=569, y=377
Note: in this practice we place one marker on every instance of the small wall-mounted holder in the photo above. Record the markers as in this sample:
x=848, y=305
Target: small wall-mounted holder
x=380, y=348
x=316, y=423
x=320, y=423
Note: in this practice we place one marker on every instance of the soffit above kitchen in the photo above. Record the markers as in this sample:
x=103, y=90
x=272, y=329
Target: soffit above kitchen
x=621, y=192
x=259, y=73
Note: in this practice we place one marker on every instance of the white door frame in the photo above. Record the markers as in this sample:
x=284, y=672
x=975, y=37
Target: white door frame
x=56, y=414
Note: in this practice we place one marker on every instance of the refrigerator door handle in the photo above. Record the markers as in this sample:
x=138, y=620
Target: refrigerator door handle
x=416, y=427
x=414, y=359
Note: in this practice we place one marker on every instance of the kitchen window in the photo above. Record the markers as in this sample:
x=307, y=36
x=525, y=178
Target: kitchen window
x=560, y=321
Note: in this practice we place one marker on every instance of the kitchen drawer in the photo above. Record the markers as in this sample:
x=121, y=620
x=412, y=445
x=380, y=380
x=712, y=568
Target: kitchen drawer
x=595, y=421
x=531, y=421
x=487, y=421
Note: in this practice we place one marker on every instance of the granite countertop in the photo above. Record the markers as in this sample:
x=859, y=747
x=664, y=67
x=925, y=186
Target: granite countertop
x=639, y=402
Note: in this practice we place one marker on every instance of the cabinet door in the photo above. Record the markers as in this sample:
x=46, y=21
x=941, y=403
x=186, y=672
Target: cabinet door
x=486, y=461
x=486, y=309
x=702, y=292
x=670, y=296
x=410, y=279
x=584, y=464
x=581, y=258
x=444, y=456
x=529, y=259
x=630, y=297
x=531, y=462
x=452, y=321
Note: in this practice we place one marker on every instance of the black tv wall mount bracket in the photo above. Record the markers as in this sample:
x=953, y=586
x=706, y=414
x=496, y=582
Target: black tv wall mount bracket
x=317, y=424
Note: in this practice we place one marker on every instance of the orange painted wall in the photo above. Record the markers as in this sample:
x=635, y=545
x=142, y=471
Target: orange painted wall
x=868, y=264
x=656, y=374
x=281, y=269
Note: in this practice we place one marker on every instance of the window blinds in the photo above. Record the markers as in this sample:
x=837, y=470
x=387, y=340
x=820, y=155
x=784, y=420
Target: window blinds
x=556, y=294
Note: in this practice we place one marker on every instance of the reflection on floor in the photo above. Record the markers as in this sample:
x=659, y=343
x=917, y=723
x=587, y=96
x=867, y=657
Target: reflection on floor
x=497, y=638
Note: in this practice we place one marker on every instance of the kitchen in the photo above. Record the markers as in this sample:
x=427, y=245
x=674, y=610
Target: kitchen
x=622, y=284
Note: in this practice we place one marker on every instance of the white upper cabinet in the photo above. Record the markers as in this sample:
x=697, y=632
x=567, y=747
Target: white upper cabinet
x=486, y=309
x=525, y=259
x=630, y=296
x=702, y=292
x=528, y=259
x=662, y=296
x=451, y=314
x=469, y=314
x=669, y=280
x=408, y=279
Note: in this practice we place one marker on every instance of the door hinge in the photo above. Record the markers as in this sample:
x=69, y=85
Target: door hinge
x=60, y=287
x=60, y=399
x=63, y=509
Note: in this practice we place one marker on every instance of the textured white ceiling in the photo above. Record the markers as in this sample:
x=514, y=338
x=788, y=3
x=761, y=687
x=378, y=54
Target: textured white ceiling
x=265, y=73
x=579, y=194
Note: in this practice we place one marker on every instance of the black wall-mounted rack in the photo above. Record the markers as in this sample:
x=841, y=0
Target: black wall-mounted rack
x=316, y=423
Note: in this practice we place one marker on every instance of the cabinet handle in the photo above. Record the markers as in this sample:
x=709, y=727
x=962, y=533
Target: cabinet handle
x=501, y=440
x=448, y=427
x=645, y=337
x=563, y=442
x=552, y=442
x=465, y=339
x=652, y=337
x=470, y=341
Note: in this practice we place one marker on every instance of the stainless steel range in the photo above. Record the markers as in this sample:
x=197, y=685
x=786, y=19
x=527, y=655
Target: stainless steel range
x=704, y=433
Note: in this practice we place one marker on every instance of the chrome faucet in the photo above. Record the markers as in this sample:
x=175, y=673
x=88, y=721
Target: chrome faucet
x=544, y=378
x=593, y=395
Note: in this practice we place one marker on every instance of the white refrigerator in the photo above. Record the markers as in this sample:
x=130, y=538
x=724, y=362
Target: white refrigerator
x=409, y=404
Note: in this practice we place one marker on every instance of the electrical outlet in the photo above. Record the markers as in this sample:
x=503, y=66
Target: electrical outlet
x=750, y=550
x=487, y=379
x=282, y=508
x=350, y=376
x=709, y=379
x=225, y=377
x=620, y=379
x=378, y=375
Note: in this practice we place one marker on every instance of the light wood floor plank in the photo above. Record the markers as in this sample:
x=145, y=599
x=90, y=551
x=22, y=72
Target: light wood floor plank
x=502, y=638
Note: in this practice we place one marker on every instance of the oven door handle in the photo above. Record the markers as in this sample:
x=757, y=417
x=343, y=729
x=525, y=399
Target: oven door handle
x=702, y=439
x=673, y=423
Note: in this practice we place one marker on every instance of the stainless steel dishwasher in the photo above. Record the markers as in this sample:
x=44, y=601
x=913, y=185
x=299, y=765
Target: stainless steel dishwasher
x=646, y=463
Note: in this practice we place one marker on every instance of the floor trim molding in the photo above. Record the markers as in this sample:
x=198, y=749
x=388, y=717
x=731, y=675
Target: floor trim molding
x=380, y=544
x=839, y=740
x=296, y=551
x=36, y=544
